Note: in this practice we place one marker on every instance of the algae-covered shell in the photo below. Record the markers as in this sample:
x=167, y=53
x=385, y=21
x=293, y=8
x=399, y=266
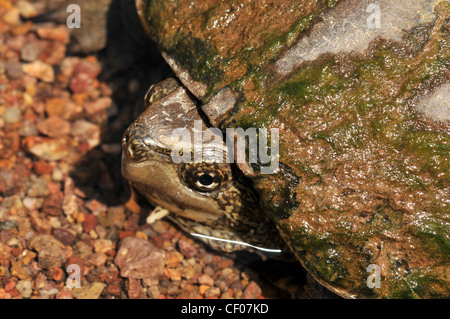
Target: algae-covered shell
x=359, y=93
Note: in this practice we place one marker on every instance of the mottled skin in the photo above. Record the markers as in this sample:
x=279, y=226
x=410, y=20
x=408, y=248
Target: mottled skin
x=207, y=198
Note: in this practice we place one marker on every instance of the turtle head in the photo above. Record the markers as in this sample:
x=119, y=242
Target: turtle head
x=208, y=197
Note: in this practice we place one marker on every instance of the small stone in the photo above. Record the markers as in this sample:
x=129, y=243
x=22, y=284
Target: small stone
x=202, y=289
x=65, y=236
x=42, y=167
x=212, y=292
x=37, y=187
x=30, y=52
x=206, y=280
x=58, y=33
x=96, y=207
x=97, y=106
x=226, y=295
x=12, y=115
x=27, y=9
x=32, y=203
x=41, y=225
x=103, y=245
x=49, y=149
x=53, y=53
x=54, y=106
x=188, y=272
x=97, y=259
x=24, y=288
x=40, y=70
x=54, y=127
x=48, y=293
x=173, y=259
x=80, y=83
x=12, y=16
x=13, y=69
x=64, y=294
x=52, y=204
x=252, y=291
x=187, y=248
x=138, y=259
x=84, y=131
x=115, y=216
x=92, y=291
x=89, y=223
x=174, y=274
x=51, y=252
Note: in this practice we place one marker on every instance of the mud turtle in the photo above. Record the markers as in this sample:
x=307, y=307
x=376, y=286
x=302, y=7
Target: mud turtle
x=359, y=93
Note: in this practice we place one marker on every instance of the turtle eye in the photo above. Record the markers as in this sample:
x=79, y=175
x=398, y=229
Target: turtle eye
x=157, y=91
x=205, y=179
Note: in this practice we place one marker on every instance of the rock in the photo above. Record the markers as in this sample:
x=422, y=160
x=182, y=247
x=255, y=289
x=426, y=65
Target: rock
x=84, y=131
x=80, y=83
x=173, y=259
x=30, y=52
x=24, y=288
x=139, y=259
x=12, y=115
x=54, y=127
x=37, y=187
x=49, y=149
x=64, y=294
x=12, y=16
x=27, y=9
x=52, y=204
x=103, y=245
x=54, y=106
x=65, y=236
x=40, y=70
x=252, y=291
x=174, y=274
x=51, y=252
x=89, y=222
x=212, y=292
x=97, y=106
x=187, y=248
x=59, y=33
x=115, y=216
x=53, y=53
x=13, y=69
x=92, y=291
x=206, y=280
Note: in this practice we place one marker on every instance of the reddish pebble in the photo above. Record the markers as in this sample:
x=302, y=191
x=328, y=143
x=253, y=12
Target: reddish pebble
x=42, y=167
x=89, y=223
x=58, y=274
x=10, y=285
x=114, y=290
x=187, y=249
x=252, y=291
x=64, y=294
x=125, y=233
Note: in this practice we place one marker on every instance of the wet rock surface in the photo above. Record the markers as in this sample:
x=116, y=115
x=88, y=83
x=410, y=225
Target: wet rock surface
x=63, y=202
